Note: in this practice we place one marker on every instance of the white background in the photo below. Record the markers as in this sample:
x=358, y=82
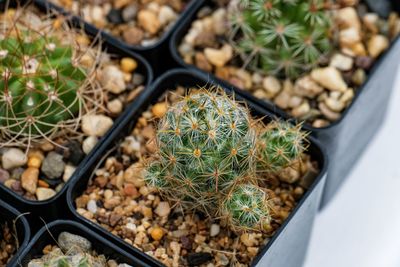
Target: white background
x=361, y=226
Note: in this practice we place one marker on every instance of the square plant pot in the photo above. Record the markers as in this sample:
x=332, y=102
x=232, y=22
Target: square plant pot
x=293, y=235
x=101, y=245
x=10, y=215
x=345, y=139
x=55, y=207
x=153, y=53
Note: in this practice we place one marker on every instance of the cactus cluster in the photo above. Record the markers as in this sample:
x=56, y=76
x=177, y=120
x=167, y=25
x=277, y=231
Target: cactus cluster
x=280, y=37
x=209, y=152
x=42, y=88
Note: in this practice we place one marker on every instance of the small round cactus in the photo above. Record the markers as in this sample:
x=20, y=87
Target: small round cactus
x=280, y=144
x=281, y=37
x=39, y=85
x=206, y=145
x=246, y=207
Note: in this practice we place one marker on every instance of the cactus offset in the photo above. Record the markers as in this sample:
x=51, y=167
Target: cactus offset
x=280, y=144
x=246, y=208
x=281, y=37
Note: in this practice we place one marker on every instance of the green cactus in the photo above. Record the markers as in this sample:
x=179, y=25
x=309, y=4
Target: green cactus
x=209, y=153
x=280, y=144
x=40, y=84
x=206, y=145
x=281, y=37
x=246, y=207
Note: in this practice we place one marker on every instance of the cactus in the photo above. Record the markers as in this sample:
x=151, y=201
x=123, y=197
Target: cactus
x=206, y=145
x=56, y=258
x=246, y=208
x=39, y=86
x=280, y=37
x=209, y=153
x=280, y=144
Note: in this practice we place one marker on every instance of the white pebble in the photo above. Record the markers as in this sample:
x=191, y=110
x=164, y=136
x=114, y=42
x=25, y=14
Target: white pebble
x=89, y=143
x=214, y=230
x=96, y=125
x=13, y=158
x=112, y=79
x=92, y=206
x=330, y=78
x=68, y=171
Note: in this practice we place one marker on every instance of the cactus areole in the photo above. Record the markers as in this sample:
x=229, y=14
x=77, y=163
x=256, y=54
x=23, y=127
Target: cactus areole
x=39, y=87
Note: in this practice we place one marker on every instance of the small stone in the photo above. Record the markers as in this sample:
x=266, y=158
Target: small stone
x=133, y=35
x=115, y=106
x=130, y=190
x=196, y=259
x=92, y=206
x=115, y=16
x=68, y=241
x=371, y=22
x=219, y=18
x=159, y=109
x=214, y=230
x=289, y=175
x=128, y=64
x=359, y=77
x=148, y=20
x=68, y=172
x=377, y=44
x=75, y=154
x=301, y=110
x=282, y=100
x=248, y=239
x=96, y=125
x=342, y=62
x=4, y=175
x=329, y=114
x=29, y=179
x=348, y=18
x=349, y=37
x=219, y=57
x=34, y=161
x=147, y=212
x=53, y=165
x=43, y=193
x=166, y=15
x=364, y=62
x=129, y=12
x=272, y=85
x=329, y=78
x=307, y=87
x=13, y=158
x=157, y=233
x=112, y=78
x=334, y=104
x=163, y=209
x=89, y=143
x=202, y=62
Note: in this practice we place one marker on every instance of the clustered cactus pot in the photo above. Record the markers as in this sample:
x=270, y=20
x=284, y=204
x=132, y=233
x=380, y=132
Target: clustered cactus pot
x=325, y=75
x=148, y=198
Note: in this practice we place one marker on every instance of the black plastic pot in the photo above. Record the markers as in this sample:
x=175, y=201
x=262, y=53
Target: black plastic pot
x=56, y=208
x=9, y=214
x=157, y=54
x=293, y=236
x=345, y=139
x=49, y=233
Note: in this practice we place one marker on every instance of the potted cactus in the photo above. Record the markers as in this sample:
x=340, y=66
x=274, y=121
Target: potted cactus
x=60, y=94
x=67, y=243
x=14, y=234
x=141, y=26
x=195, y=177
x=327, y=63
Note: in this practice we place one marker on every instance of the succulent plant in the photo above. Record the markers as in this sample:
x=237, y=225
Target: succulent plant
x=280, y=144
x=209, y=152
x=246, y=207
x=281, y=37
x=206, y=146
x=39, y=85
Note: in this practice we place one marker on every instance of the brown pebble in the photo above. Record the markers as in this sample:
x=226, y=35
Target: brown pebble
x=157, y=233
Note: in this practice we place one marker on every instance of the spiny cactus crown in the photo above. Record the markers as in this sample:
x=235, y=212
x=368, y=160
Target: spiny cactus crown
x=209, y=152
x=207, y=145
x=281, y=37
x=39, y=88
x=280, y=144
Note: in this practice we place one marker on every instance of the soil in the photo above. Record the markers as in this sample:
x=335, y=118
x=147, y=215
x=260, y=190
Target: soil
x=118, y=199
x=8, y=244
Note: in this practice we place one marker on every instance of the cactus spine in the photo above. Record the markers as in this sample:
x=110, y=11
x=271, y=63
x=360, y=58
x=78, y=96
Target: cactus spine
x=281, y=37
